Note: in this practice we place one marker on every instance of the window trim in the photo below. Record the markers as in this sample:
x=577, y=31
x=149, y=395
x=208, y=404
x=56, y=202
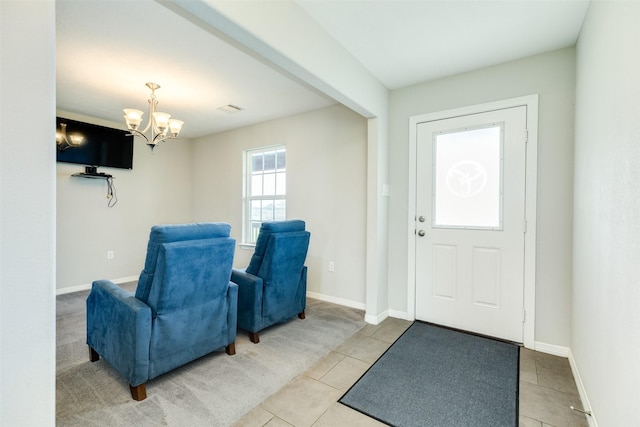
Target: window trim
x=247, y=199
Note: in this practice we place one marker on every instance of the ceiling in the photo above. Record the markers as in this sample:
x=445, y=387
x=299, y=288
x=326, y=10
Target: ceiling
x=404, y=42
x=108, y=49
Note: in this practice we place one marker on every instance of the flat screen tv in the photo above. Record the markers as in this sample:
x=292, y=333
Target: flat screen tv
x=102, y=146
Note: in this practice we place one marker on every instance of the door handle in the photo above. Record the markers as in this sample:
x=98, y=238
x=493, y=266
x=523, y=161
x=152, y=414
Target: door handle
x=421, y=233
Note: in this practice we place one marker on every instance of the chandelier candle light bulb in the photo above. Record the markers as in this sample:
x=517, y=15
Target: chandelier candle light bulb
x=162, y=126
x=133, y=118
x=175, y=126
x=161, y=121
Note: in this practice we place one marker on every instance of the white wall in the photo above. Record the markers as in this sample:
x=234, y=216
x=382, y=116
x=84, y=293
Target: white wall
x=550, y=75
x=606, y=294
x=156, y=191
x=326, y=187
x=27, y=213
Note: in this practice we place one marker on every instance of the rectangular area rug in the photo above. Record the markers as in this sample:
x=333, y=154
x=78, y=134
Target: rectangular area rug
x=439, y=377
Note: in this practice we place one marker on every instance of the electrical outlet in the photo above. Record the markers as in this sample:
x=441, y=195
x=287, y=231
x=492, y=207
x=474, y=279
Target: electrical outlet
x=332, y=266
x=109, y=254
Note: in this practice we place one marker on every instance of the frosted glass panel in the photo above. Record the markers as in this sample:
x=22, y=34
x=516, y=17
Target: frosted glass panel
x=467, y=171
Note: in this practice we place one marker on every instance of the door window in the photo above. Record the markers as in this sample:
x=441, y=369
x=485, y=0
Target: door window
x=467, y=178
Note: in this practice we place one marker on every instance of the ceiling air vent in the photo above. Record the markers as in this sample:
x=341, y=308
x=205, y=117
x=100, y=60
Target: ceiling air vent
x=229, y=108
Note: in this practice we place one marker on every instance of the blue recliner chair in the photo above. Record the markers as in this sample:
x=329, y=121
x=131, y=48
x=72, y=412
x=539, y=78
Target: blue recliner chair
x=273, y=288
x=184, y=306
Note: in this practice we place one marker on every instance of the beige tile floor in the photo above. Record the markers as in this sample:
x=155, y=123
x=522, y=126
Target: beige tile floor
x=547, y=387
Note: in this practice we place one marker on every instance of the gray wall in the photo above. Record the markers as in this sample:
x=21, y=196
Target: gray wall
x=201, y=180
x=326, y=187
x=550, y=75
x=606, y=294
x=156, y=191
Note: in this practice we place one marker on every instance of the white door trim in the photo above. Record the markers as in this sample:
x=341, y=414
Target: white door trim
x=529, y=304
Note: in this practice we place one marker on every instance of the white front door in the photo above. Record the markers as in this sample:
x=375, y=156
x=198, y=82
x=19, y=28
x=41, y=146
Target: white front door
x=470, y=222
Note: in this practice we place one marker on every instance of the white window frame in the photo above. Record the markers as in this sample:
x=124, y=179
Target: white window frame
x=251, y=226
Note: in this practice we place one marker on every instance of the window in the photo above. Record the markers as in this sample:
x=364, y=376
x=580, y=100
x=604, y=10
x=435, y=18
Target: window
x=468, y=178
x=265, y=194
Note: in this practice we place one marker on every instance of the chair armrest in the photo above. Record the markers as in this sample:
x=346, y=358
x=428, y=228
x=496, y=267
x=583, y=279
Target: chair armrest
x=250, y=289
x=232, y=314
x=119, y=329
x=242, y=278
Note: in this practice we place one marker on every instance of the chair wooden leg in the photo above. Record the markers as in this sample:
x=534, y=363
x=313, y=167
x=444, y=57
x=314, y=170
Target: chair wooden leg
x=301, y=315
x=138, y=392
x=253, y=336
x=93, y=355
x=231, y=349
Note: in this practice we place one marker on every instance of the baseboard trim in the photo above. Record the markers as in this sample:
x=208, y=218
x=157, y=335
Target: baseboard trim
x=591, y=419
x=376, y=320
x=400, y=315
x=336, y=300
x=556, y=350
x=87, y=286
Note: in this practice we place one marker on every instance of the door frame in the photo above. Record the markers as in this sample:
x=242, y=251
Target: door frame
x=531, y=174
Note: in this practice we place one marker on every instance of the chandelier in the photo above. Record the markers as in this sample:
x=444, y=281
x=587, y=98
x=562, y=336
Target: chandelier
x=162, y=126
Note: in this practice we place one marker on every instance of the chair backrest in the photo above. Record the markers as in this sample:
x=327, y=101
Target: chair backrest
x=284, y=258
x=190, y=274
x=165, y=234
x=267, y=229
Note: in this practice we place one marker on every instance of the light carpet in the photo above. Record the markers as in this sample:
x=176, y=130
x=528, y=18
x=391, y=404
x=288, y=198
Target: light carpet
x=215, y=390
x=439, y=377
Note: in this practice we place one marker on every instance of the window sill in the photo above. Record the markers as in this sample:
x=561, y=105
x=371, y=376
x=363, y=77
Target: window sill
x=248, y=246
